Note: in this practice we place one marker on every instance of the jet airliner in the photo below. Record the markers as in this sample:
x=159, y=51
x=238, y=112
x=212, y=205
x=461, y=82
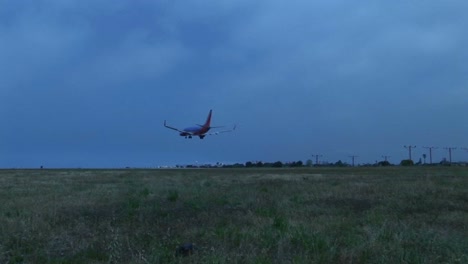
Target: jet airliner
x=199, y=130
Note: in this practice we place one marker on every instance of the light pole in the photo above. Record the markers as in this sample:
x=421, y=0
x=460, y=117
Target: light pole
x=316, y=158
x=352, y=158
x=385, y=157
x=430, y=153
x=409, y=149
x=450, y=153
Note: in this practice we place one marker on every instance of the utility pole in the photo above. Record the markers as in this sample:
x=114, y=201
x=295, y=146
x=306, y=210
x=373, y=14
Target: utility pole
x=385, y=157
x=410, y=148
x=316, y=158
x=352, y=157
x=430, y=153
x=450, y=153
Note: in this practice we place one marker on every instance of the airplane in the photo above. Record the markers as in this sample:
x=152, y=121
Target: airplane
x=199, y=130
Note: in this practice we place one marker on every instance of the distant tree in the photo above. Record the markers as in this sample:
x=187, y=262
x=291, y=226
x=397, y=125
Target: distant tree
x=384, y=163
x=299, y=163
x=407, y=162
x=309, y=163
x=277, y=164
x=339, y=163
x=248, y=164
x=238, y=165
x=424, y=157
x=259, y=164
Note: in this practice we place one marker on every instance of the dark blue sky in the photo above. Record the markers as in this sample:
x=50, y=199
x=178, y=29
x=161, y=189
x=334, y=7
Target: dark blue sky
x=89, y=83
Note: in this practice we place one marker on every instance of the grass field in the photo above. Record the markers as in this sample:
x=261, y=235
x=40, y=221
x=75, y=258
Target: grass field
x=305, y=215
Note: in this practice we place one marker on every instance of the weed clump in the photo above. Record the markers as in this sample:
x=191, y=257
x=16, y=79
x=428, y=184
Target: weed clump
x=172, y=195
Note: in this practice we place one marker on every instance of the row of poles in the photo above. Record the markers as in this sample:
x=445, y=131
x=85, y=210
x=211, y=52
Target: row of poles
x=430, y=151
x=353, y=157
x=410, y=148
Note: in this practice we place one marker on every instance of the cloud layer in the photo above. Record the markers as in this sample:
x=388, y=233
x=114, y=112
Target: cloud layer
x=89, y=83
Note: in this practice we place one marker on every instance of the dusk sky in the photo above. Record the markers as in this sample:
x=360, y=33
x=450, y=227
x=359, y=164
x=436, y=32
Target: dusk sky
x=89, y=83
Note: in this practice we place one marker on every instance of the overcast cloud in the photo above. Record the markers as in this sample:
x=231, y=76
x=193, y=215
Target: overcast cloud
x=89, y=83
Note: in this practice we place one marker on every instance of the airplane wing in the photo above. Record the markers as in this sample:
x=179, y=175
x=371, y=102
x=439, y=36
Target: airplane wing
x=210, y=126
x=222, y=131
x=176, y=129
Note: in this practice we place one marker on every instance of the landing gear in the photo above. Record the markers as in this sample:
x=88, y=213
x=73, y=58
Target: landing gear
x=202, y=136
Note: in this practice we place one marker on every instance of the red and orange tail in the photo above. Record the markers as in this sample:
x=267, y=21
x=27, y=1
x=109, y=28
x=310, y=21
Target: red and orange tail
x=208, y=120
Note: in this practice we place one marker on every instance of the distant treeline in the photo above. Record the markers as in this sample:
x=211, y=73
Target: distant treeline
x=277, y=164
x=309, y=163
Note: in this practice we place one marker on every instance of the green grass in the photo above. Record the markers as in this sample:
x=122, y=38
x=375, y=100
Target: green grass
x=304, y=215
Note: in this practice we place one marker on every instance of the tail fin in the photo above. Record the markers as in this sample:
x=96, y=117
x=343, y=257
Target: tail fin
x=208, y=120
